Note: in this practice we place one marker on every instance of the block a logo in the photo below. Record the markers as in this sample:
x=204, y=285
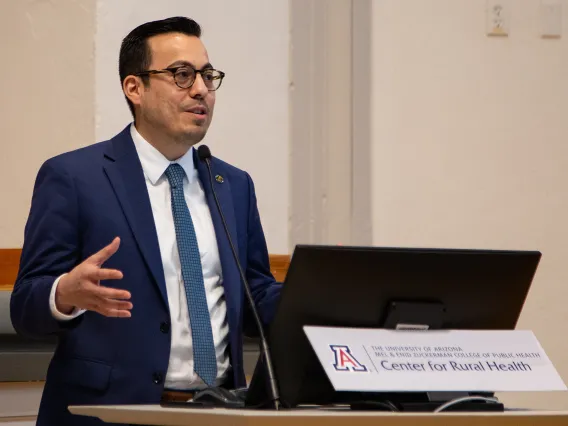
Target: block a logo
x=344, y=360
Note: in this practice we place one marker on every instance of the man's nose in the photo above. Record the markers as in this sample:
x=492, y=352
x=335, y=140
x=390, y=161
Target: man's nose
x=198, y=89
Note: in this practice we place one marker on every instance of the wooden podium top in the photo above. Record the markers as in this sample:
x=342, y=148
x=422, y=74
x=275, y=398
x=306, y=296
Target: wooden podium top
x=156, y=415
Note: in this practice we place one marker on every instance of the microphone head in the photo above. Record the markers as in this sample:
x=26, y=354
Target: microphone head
x=204, y=152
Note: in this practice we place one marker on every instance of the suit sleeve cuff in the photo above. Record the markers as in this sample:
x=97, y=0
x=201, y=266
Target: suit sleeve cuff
x=55, y=312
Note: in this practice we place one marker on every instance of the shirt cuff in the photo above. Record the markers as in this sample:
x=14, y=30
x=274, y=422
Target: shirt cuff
x=55, y=312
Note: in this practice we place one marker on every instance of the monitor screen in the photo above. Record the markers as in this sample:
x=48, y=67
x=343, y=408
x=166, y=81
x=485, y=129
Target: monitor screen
x=379, y=287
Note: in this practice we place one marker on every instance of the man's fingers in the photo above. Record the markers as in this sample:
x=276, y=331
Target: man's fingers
x=105, y=253
x=111, y=293
x=104, y=274
x=118, y=305
x=110, y=308
x=115, y=313
x=109, y=312
x=119, y=314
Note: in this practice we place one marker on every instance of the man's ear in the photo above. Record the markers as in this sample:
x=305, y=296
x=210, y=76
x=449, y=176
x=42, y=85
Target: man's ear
x=133, y=87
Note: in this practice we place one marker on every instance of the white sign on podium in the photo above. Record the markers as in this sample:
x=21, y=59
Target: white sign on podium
x=379, y=360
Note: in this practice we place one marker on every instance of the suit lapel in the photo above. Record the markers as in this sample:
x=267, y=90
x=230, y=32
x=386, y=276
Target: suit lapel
x=231, y=278
x=125, y=173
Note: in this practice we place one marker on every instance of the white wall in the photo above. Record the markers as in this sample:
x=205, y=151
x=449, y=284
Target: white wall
x=469, y=142
x=248, y=39
x=47, y=99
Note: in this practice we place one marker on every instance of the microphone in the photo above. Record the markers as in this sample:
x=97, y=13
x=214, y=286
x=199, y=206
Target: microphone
x=204, y=154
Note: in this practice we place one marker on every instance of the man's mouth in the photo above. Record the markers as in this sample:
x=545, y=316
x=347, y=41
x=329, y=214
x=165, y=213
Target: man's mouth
x=200, y=111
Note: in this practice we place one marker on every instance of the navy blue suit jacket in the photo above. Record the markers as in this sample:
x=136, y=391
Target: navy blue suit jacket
x=81, y=201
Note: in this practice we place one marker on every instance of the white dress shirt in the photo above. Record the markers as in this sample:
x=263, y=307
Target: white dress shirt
x=181, y=374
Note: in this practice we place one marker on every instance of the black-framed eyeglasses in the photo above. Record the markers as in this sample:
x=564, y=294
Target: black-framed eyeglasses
x=184, y=76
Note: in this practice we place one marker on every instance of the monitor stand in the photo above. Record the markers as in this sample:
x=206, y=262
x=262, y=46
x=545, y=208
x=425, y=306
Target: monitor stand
x=408, y=315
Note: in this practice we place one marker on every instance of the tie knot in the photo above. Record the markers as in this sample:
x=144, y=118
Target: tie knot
x=175, y=174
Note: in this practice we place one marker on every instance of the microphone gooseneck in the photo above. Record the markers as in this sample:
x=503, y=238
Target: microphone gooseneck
x=204, y=154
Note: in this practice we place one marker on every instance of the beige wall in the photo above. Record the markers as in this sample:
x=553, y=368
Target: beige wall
x=250, y=124
x=470, y=145
x=47, y=95
x=468, y=133
x=71, y=49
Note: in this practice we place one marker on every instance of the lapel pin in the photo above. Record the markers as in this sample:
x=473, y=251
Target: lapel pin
x=219, y=179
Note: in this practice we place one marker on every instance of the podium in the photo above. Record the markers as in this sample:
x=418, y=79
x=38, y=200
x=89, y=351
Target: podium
x=159, y=416
x=373, y=288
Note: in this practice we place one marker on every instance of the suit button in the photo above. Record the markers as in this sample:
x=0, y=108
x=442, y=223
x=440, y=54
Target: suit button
x=165, y=327
x=157, y=378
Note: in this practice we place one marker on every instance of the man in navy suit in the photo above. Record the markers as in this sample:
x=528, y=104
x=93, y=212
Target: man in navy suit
x=125, y=257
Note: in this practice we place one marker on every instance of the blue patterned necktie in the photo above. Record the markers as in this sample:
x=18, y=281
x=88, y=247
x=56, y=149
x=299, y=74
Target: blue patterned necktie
x=204, y=357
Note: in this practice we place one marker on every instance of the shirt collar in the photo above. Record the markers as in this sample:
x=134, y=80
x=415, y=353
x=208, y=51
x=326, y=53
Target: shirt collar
x=154, y=163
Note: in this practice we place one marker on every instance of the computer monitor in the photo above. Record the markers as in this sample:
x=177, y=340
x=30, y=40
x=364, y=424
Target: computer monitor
x=377, y=287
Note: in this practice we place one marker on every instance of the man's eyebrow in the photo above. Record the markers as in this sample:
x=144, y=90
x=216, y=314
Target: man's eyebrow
x=189, y=64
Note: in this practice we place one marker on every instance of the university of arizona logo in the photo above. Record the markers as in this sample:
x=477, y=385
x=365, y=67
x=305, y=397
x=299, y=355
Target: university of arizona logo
x=344, y=359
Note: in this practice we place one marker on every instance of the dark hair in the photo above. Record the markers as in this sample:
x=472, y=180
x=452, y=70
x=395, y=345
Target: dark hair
x=135, y=54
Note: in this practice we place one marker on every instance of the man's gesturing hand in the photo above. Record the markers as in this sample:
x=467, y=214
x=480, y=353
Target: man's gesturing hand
x=81, y=287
